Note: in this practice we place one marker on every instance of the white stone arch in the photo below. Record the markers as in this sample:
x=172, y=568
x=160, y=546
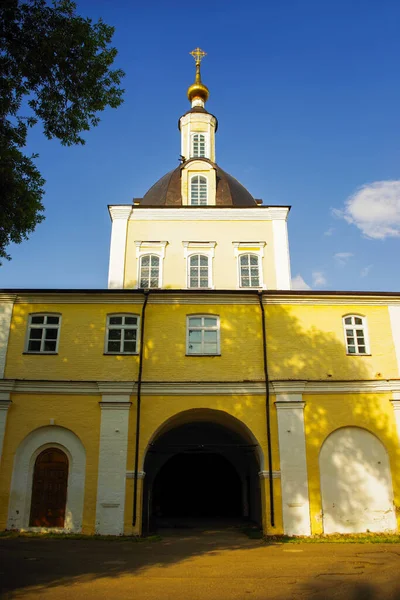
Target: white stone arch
x=36, y=441
x=356, y=483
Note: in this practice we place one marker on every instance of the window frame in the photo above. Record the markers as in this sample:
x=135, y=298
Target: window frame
x=249, y=287
x=354, y=326
x=123, y=327
x=257, y=249
x=203, y=328
x=192, y=138
x=200, y=176
x=209, y=275
x=42, y=326
x=150, y=255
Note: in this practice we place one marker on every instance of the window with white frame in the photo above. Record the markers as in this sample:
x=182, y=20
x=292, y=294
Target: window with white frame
x=122, y=334
x=198, y=271
x=203, y=334
x=249, y=270
x=356, y=335
x=198, y=190
x=149, y=271
x=198, y=145
x=43, y=333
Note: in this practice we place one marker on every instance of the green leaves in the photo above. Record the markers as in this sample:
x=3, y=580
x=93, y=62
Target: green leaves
x=57, y=65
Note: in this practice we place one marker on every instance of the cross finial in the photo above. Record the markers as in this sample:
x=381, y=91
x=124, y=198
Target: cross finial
x=198, y=55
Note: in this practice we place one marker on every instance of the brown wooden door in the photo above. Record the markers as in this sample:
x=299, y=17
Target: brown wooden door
x=49, y=489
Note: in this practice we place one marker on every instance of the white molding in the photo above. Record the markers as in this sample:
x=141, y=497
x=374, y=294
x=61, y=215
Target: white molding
x=190, y=388
x=6, y=309
x=210, y=214
x=51, y=436
x=119, y=231
x=330, y=300
x=204, y=248
x=394, y=314
x=293, y=464
x=265, y=475
x=131, y=474
x=113, y=453
x=281, y=254
x=144, y=248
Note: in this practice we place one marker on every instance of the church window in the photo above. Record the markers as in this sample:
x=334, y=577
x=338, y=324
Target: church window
x=198, y=275
x=198, y=191
x=203, y=335
x=355, y=333
x=149, y=276
x=43, y=333
x=122, y=334
x=198, y=145
x=249, y=270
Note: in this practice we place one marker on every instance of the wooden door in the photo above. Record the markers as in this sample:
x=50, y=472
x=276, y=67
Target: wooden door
x=49, y=489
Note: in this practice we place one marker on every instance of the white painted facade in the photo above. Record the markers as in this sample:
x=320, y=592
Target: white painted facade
x=112, y=464
x=6, y=308
x=292, y=452
x=356, y=483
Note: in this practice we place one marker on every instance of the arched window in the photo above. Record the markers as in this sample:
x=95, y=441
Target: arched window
x=49, y=489
x=198, y=272
x=149, y=271
x=198, y=191
x=355, y=334
x=198, y=145
x=249, y=270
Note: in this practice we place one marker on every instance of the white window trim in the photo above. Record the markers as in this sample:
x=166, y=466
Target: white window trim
x=206, y=148
x=205, y=248
x=156, y=248
x=256, y=248
x=218, y=329
x=41, y=326
x=137, y=327
x=364, y=327
x=192, y=175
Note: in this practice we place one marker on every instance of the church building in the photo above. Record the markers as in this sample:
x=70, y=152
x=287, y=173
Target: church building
x=198, y=386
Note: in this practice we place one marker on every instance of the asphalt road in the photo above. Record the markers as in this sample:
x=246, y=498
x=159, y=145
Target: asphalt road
x=203, y=565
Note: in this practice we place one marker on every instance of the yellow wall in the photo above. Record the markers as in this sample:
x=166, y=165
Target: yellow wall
x=224, y=264
x=304, y=342
x=30, y=411
x=325, y=414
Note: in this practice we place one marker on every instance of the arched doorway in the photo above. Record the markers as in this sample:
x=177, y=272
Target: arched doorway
x=356, y=483
x=202, y=470
x=49, y=489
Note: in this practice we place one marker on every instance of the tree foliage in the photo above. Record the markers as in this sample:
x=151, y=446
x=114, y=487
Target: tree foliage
x=55, y=68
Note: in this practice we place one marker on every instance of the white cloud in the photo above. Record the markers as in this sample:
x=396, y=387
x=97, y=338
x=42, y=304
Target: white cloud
x=298, y=283
x=318, y=278
x=329, y=231
x=365, y=271
x=374, y=209
x=342, y=258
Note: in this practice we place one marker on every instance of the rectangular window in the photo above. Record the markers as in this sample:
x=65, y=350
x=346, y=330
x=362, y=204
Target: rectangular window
x=43, y=333
x=203, y=335
x=122, y=334
x=355, y=330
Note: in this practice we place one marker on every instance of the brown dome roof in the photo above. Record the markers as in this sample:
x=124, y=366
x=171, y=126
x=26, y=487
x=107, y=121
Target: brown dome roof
x=167, y=190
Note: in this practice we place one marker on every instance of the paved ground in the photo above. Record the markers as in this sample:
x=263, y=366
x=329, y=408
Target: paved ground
x=199, y=565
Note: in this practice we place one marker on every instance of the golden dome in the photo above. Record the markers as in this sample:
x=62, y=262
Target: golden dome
x=198, y=89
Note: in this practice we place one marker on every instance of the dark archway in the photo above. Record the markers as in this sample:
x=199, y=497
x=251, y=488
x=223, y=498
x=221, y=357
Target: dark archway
x=49, y=489
x=200, y=470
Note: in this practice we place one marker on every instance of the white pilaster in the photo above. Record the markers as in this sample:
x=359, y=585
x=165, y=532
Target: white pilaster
x=6, y=307
x=396, y=408
x=119, y=216
x=292, y=452
x=5, y=403
x=281, y=254
x=112, y=464
x=394, y=313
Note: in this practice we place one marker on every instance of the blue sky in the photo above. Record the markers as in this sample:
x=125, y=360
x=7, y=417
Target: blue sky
x=307, y=95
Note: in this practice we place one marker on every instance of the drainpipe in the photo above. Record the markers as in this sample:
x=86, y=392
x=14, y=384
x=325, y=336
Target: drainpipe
x=267, y=408
x=138, y=401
